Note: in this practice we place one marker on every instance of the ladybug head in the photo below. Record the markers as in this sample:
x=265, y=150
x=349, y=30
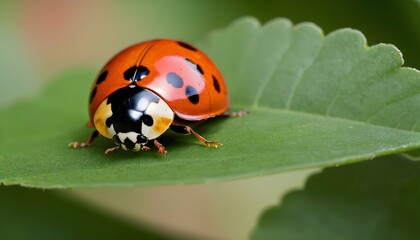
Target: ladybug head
x=130, y=141
x=132, y=116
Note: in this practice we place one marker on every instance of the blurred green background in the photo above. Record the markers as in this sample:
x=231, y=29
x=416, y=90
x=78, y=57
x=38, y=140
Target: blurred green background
x=39, y=40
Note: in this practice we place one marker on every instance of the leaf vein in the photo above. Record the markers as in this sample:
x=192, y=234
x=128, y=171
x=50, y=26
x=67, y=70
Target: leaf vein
x=342, y=81
x=300, y=76
x=386, y=105
x=269, y=77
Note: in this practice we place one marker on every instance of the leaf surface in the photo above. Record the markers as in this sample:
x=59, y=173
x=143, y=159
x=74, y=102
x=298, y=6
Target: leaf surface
x=369, y=200
x=314, y=101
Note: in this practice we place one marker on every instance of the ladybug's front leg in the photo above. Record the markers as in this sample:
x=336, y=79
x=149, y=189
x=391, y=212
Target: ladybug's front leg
x=188, y=130
x=159, y=146
x=85, y=144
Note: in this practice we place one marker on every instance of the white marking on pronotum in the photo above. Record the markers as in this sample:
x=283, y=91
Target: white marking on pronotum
x=142, y=104
x=159, y=110
x=134, y=115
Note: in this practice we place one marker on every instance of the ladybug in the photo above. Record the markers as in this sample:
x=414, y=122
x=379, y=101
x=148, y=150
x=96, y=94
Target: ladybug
x=151, y=87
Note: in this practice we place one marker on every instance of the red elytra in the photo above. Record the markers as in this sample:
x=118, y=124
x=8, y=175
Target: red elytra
x=151, y=87
x=162, y=57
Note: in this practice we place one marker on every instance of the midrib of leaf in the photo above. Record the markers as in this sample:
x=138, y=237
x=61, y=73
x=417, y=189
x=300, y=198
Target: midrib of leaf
x=311, y=115
x=269, y=109
x=255, y=105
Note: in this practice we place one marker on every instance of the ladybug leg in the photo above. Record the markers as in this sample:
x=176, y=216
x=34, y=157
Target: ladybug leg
x=85, y=144
x=188, y=130
x=112, y=149
x=159, y=146
x=145, y=148
x=240, y=113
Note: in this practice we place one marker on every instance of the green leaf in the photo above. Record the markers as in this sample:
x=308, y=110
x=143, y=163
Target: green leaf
x=35, y=214
x=369, y=200
x=415, y=154
x=313, y=101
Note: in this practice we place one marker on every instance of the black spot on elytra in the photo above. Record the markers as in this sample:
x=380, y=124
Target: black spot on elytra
x=175, y=80
x=147, y=120
x=92, y=95
x=192, y=94
x=129, y=144
x=187, y=46
x=200, y=69
x=216, y=84
x=102, y=77
x=136, y=73
x=129, y=73
x=194, y=66
x=142, y=72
